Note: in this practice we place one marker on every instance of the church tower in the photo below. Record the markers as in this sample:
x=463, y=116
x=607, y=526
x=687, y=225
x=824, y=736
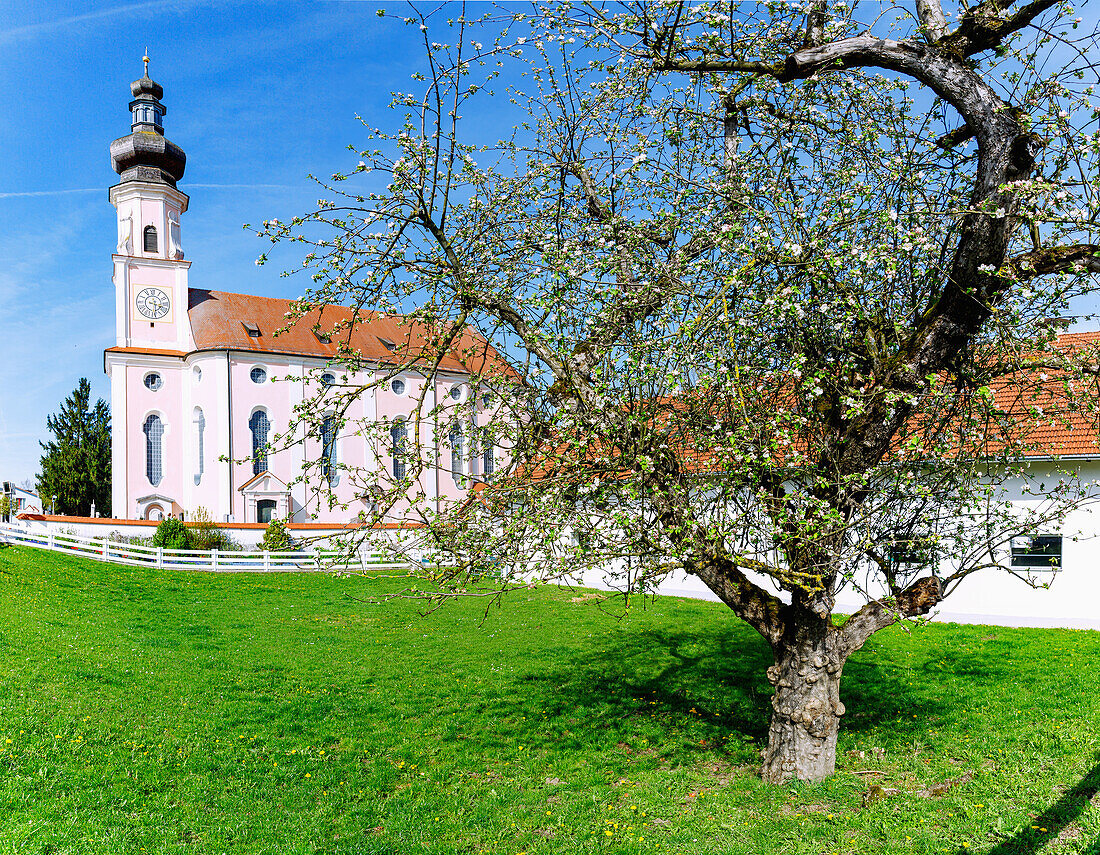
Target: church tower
x=150, y=389
x=150, y=275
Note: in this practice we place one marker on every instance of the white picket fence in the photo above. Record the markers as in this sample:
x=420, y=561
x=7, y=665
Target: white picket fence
x=104, y=549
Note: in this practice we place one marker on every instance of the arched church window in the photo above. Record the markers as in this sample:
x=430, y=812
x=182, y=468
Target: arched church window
x=154, y=452
x=328, y=449
x=149, y=237
x=454, y=439
x=200, y=428
x=488, y=464
x=398, y=434
x=259, y=425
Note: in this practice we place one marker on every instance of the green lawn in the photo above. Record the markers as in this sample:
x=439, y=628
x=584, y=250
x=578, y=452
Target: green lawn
x=146, y=711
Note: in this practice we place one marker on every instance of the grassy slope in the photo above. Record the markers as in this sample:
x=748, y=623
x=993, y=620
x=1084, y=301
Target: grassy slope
x=170, y=712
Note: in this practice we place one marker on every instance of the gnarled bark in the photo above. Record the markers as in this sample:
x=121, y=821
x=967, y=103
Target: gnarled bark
x=806, y=707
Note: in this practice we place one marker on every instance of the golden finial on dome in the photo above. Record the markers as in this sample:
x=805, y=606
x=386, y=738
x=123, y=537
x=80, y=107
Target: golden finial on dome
x=145, y=59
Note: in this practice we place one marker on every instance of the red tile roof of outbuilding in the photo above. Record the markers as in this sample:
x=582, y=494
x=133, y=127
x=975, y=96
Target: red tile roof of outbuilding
x=1055, y=429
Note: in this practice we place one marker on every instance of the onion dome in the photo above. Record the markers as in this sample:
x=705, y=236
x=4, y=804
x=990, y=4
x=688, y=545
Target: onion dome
x=146, y=86
x=146, y=155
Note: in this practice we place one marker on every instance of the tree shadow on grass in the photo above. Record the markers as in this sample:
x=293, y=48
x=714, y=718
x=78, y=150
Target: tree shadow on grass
x=705, y=686
x=1037, y=833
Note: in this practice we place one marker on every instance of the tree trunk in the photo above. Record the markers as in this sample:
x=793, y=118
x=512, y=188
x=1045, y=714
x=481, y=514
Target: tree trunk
x=806, y=706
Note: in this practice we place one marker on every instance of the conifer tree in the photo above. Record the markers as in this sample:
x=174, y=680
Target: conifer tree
x=76, y=465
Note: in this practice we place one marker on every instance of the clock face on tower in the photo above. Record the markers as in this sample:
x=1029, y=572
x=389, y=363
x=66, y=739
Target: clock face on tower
x=152, y=303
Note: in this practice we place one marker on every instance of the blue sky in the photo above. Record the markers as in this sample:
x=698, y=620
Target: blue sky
x=258, y=96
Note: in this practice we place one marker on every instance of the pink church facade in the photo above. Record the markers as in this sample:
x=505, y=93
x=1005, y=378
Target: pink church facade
x=201, y=384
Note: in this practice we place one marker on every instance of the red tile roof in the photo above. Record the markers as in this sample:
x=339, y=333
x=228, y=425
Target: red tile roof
x=218, y=321
x=1045, y=421
x=1053, y=425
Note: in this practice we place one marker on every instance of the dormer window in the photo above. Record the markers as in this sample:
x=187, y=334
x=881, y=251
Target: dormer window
x=251, y=328
x=323, y=337
x=389, y=345
x=149, y=237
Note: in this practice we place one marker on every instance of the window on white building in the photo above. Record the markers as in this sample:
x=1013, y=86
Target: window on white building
x=149, y=237
x=910, y=552
x=1038, y=552
x=153, y=381
x=265, y=510
x=260, y=426
x=258, y=374
x=398, y=435
x=398, y=386
x=154, y=451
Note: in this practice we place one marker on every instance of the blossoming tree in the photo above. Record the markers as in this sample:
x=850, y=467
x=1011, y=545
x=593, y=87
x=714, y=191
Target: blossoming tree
x=775, y=283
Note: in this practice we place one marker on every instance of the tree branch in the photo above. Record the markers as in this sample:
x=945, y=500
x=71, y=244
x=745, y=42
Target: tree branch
x=918, y=599
x=815, y=23
x=956, y=137
x=982, y=27
x=1054, y=259
x=748, y=601
x=932, y=19
x=494, y=305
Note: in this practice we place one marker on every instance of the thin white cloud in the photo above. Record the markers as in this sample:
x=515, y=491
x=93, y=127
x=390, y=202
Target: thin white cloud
x=24, y=194
x=243, y=186
x=41, y=26
x=27, y=193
